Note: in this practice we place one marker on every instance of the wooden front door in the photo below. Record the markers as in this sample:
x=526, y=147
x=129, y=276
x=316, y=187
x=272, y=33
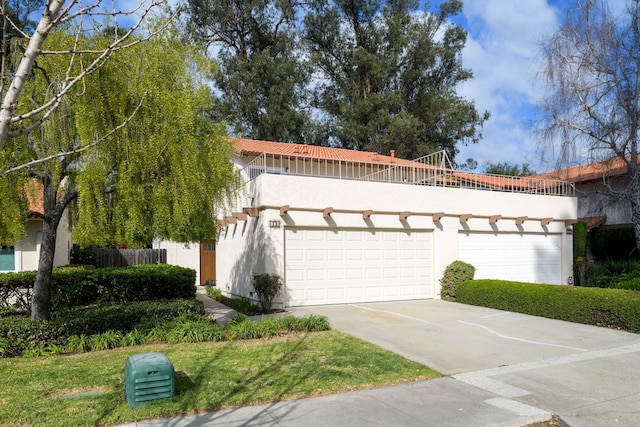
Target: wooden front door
x=207, y=263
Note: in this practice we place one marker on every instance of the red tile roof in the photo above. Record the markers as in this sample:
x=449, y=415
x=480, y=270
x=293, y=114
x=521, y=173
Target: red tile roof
x=255, y=148
x=595, y=221
x=35, y=194
x=596, y=170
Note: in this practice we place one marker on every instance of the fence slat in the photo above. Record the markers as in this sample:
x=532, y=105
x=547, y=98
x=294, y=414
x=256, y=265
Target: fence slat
x=129, y=257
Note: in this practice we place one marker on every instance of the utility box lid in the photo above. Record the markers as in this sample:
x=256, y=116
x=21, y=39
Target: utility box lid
x=148, y=376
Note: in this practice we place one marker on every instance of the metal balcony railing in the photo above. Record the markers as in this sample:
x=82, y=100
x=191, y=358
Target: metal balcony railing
x=432, y=170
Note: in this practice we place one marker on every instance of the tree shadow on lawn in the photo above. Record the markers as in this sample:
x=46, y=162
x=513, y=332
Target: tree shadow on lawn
x=194, y=396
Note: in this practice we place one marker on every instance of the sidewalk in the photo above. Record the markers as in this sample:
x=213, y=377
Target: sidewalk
x=442, y=402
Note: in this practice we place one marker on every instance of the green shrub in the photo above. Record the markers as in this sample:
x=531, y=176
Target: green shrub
x=242, y=330
x=455, y=273
x=191, y=328
x=72, y=287
x=615, y=308
x=214, y=293
x=580, y=232
x=267, y=287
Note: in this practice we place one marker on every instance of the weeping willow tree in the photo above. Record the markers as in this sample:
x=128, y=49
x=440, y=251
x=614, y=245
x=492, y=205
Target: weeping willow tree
x=132, y=153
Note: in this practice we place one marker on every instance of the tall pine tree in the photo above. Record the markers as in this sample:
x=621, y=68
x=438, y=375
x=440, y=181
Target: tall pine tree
x=261, y=78
x=390, y=74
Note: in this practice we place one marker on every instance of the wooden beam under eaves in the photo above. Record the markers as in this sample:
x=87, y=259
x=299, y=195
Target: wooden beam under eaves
x=284, y=210
x=404, y=215
x=570, y=222
x=222, y=223
x=326, y=212
x=494, y=218
x=465, y=217
x=252, y=212
x=231, y=220
x=367, y=214
x=240, y=216
x=546, y=221
x=521, y=219
x=436, y=217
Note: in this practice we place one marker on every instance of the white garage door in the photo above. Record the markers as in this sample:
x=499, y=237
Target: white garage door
x=535, y=258
x=334, y=266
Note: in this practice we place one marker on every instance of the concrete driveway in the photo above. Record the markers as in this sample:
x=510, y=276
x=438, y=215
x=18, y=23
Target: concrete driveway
x=587, y=375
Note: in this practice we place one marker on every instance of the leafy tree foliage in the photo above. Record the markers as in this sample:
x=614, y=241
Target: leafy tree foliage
x=592, y=68
x=160, y=176
x=389, y=75
x=23, y=42
x=261, y=77
x=506, y=168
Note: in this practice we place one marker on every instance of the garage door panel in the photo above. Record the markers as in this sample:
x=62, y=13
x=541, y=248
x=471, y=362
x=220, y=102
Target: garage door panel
x=523, y=257
x=314, y=274
x=347, y=265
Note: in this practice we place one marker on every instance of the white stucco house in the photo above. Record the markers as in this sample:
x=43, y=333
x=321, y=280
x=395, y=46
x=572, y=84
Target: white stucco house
x=343, y=226
x=25, y=254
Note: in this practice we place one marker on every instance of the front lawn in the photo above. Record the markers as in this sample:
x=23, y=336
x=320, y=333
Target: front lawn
x=87, y=389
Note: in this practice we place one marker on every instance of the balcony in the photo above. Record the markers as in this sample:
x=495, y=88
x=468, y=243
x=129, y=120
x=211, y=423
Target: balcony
x=431, y=170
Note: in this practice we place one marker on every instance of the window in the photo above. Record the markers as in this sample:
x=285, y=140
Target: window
x=7, y=259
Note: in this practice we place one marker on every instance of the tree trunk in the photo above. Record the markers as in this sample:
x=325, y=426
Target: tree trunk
x=53, y=211
x=41, y=302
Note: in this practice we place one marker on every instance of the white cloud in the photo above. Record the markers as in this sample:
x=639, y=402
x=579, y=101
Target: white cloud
x=501, y=50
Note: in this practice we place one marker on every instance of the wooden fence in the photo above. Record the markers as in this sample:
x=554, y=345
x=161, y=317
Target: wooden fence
x=125, y=257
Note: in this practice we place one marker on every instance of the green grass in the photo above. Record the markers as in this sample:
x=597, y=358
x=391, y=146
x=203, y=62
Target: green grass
x=87, y=389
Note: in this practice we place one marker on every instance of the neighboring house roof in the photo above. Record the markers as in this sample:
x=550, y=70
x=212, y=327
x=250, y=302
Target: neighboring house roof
x=254, y=147
x=595, y=221
x=591, y=171
x=35, y=195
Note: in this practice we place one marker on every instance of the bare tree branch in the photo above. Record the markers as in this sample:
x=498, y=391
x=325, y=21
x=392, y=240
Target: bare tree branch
x=55, y=14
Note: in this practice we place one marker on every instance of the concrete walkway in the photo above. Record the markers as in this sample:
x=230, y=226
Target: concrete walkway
x=216, y=310
x=506, y=370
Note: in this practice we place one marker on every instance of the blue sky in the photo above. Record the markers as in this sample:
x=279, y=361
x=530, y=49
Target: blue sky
x=502, y=50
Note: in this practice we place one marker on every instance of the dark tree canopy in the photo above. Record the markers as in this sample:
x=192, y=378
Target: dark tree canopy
x=261, y=78
x=510, y=169
x=389, y=75
x=373, y=75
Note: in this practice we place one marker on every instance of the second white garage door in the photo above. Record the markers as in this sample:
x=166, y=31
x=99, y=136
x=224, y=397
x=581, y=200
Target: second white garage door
x=334, y=266
x=535, y=258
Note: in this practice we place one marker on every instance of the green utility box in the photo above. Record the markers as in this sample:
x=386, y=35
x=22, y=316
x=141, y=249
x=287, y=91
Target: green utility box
x=148, y=376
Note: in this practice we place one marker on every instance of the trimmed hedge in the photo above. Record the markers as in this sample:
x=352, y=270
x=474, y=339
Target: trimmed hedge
x=80, y=286
x=616, y=308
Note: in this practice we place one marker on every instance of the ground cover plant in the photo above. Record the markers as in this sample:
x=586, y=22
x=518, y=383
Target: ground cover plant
x=243, y=305
x=87, y=389
x=104, y=327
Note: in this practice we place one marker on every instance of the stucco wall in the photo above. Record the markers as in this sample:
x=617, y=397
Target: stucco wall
x=253, y=246
x=28, y=250
x=595, y=199
x=182, y=254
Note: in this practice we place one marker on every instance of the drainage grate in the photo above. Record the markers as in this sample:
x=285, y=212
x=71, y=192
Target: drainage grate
x=148, y=376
